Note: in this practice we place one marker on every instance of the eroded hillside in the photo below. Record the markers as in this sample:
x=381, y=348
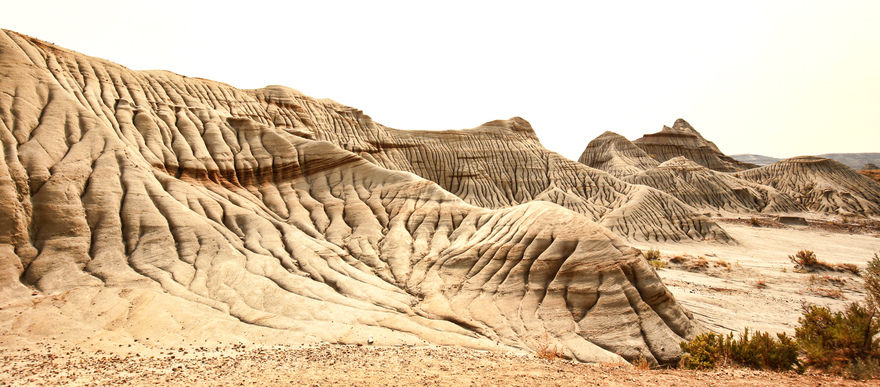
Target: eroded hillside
x=120, y=189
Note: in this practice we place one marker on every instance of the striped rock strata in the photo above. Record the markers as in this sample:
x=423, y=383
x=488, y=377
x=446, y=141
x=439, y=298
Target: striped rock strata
x=227, y=205
x=706, y=189
x=683, y=140
x=616, y=155
x=795, y=185
x=821, y=185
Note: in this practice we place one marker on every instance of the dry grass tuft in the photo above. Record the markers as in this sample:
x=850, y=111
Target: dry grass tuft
x=678, y=259
x=848, y=268
x=724, y=264
x=652, y=254
x=641, y=363
x=544, y=349
x=827, y=292
x=619, y=363
x=699, y=264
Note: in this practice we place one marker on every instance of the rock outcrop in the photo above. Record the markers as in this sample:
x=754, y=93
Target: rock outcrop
x=616, y=155
x=872, y=171
x=822, y=185
x=496, y=165
x=706, y=189
x=758, y=160
x=711, y=182
x=683, y=140
x=304, y=216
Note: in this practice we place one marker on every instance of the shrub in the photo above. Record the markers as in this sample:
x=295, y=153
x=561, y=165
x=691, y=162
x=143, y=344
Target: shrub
x=703, y=352
x=761, y=284
x=804, y=258
x=544, y=349
x=872, y=282
x=759, y=351
x=641, y=363
x=861, y=369
x=754, y=222
x=832, y=340
x=658, y=264
x=678, y=259
x=652, y=255
x=848, y=267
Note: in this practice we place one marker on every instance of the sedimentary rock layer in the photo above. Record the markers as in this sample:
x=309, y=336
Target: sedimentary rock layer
x=496, y=165
x=683, y=140
x=613, y=153
x=821, y=185
x=795, y=185
x=706, y=189
x=230, y=199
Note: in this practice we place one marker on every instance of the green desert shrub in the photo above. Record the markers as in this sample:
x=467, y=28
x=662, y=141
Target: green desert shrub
x=703, y=352
x=758, y=351
x=845, y=342
x=830, y=341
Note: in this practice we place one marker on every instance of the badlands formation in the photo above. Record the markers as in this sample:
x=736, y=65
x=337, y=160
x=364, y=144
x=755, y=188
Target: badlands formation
x=680, y=162
x=152, y=209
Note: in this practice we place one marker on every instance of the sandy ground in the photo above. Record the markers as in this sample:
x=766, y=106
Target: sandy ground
x=754, y=284
x=351, y=365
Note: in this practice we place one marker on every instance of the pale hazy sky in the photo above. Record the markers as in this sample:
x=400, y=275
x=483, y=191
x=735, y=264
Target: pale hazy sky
x=779, y=78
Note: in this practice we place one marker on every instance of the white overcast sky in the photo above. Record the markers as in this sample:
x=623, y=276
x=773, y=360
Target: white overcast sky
x=779, y=78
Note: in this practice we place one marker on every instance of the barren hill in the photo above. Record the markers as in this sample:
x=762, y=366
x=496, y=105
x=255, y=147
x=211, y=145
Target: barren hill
x=821, y=185
x=616, y=155
x=139, y=205
x=706, y=189
x=683, y=140
x=853, y=160
x=795, y=185
x=759, y=160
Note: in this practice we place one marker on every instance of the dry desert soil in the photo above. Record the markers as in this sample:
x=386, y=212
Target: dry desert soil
x=330, y=365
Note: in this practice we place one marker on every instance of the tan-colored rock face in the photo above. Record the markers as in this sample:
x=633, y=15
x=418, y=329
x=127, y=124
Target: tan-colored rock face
x=704, y=188
x=683, y=140
x=821, y=185
x=229, y=200
x=496, y=165
x=789, y=186
x=616, y=155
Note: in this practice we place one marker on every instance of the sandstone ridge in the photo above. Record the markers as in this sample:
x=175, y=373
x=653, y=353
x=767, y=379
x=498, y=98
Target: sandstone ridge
x=711, y=183
x=148, y=204
x=683, y=140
